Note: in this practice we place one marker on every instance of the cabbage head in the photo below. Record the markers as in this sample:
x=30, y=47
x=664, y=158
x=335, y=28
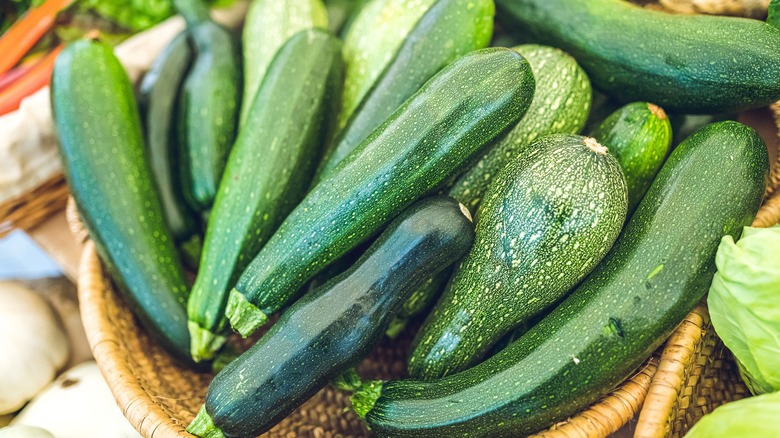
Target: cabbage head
x=754, y=417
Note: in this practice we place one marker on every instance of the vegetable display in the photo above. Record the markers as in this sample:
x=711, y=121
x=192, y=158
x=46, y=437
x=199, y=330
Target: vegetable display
x=358, y=305
x=425, y=142
x=744, y=305
x=659, y=268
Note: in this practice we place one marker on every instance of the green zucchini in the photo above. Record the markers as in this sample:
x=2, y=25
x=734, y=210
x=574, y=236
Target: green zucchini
x=330, y=330
x=419, y=301
x=773, y=14
x=683, y=63
x=267, y=174
x=424, y=143
x=660, y=267
x=447, y=31
x=268, y=24
x=157, y=96
x=639, y=135
x=208, y=108
x=103, y=157
x=561, y=103
x=375, y=35
x=547, y=220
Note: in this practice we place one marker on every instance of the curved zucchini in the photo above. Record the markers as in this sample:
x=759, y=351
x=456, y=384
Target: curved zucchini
x=447, y=31
x=267, y=174
x=683, y=63
x=208, y=105
x=560, y=106
x=329, y=330
x=424, y=143
x=548, y=219
x=102, y=150
x=268, y=25
x=660, y=267
x=639, y=135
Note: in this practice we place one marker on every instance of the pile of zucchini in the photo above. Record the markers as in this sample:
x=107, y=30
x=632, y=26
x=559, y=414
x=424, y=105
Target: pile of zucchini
x=396, y=167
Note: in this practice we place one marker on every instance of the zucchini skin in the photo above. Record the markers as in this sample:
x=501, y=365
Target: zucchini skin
x=692, y=64
x=103, y=157
x=208, y=107
x=447, y=31
x=639, y=135
x=331, y=329
x=560, y=106
x=268, y=25
x=267, y=174
x=548, y=219
x=660, y=267
x=424, y=143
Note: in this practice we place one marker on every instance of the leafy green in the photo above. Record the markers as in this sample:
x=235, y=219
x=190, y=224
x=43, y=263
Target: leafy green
x=747, y=418
x=744, y=303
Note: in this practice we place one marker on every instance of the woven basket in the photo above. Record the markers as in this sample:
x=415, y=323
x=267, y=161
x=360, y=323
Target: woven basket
x=35, y=207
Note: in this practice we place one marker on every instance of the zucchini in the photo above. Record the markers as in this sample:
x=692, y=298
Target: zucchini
x=419, y=301
x=561, y=104
x=267, y=174
x=639, y=135
x=660, y=267
x=208, y=105
x=268, y=24
x=331, y=329
x=157, y=96
x=447, y=31
x=103, y=157
x=683, y=63
x=547, y=220
x=424, y=143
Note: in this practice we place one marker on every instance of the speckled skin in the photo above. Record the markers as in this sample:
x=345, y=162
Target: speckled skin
x=550, y=216
x=208, y=106
x=425, y=142
x=683, y=63
x=331, y=329
x=639, y=135
x=560, y=106
x=268, y=25
x=268, y=171
x=660, y=267
x=447, y=31
x=103, y=157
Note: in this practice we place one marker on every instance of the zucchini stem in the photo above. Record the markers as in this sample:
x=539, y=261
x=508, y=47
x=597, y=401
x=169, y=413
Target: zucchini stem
x=203, y=426
x=349, y=381
x=203, y=343
x=244, y=317
x=364, y=399
x=397, y=325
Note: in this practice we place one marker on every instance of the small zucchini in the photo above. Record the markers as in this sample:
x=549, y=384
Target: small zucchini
x=550, y=216
x=639, y=135
x=328, y=331
x=422, y=145
x=660, y=267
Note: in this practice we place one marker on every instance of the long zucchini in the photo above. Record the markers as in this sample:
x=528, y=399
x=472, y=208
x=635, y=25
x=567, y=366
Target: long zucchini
x=660, y=267
x=424, y=143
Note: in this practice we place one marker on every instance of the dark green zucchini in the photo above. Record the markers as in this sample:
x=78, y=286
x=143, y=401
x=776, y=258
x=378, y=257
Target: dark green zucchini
x=419, y=301
x=208, y=108
x=157, y=97
x=639, y=135
x=328, y=331
x=422, y=145
x=103, y=157
x=547, y=220
x=683, y=63
x=660, y=267
x=561, y=104
x=267, y=174
x=447, y=31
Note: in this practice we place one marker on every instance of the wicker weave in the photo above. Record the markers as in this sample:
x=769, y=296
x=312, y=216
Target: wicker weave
x=33, y=208
x=741, y=8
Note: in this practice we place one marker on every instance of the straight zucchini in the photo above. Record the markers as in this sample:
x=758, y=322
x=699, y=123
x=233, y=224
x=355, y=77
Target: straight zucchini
x=639, y=135
x=560, y=106
x=447, y=31
x=267, y=174
x=329, y=330
x=423, y=144
x=683, y=63
x=268, y=25
x=548, y=219
x=103, y=157
x=660, y=267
